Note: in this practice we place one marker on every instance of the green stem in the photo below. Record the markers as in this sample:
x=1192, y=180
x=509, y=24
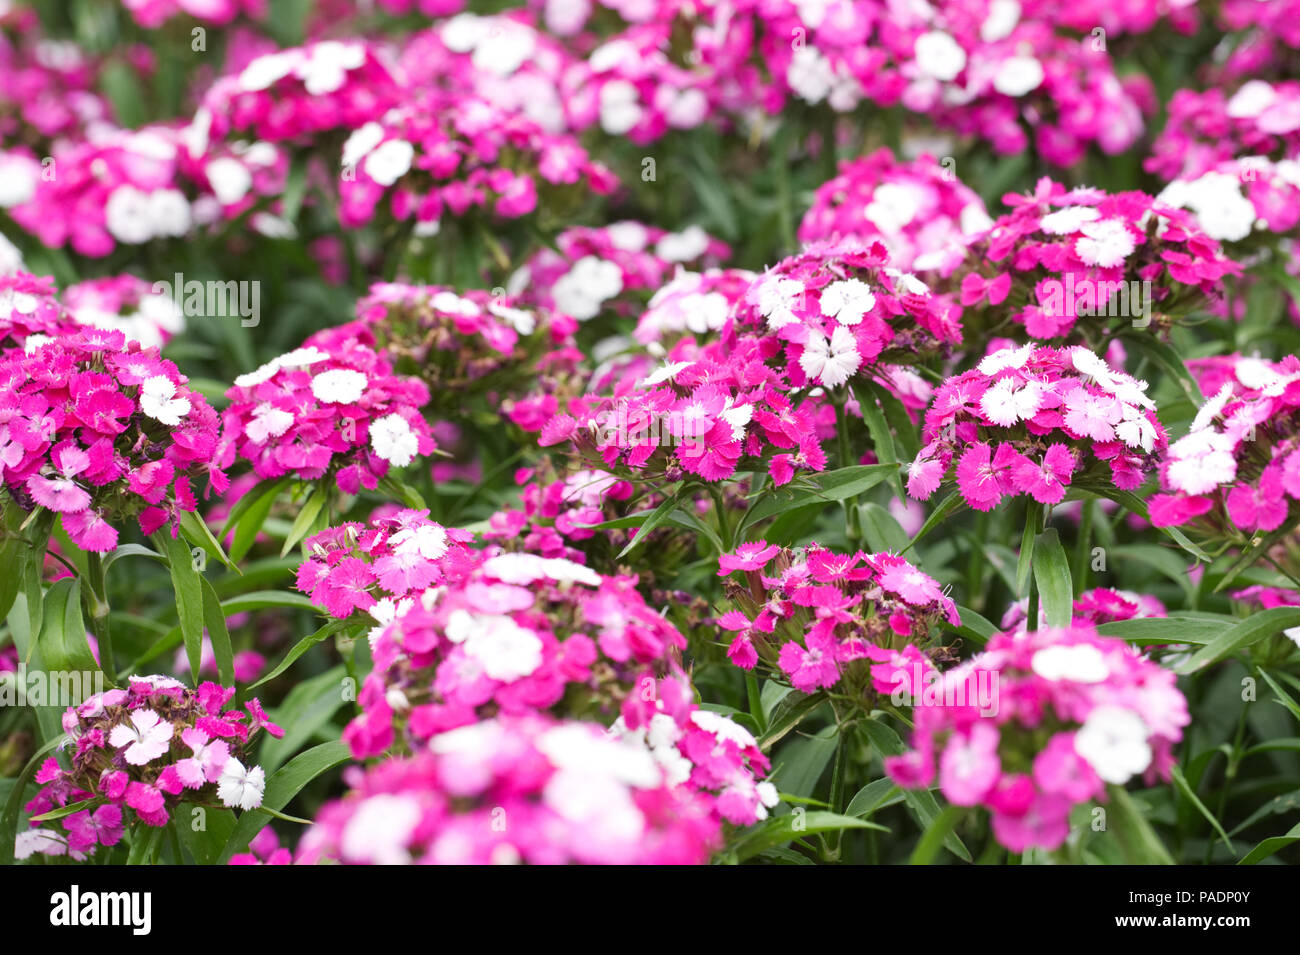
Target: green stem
x=95, y=597
x=1083, y=550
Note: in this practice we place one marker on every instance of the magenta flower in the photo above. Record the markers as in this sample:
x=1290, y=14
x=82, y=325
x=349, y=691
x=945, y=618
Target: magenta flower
x=811, y=667
x=754, y=555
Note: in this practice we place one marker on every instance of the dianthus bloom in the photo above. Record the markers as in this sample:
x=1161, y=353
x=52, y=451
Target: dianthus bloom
x=694, y=302
x=1211, y=127
x=461, y=344
x=1241, y=197
x=1238, y=467
x=519, y=633
x=1036, y=421
x=145, y=750
x=313, y=412
x=455, y=153
x=1085, y=253
x=823, y=619
x=374, y=567
x=100, y=430
x=918, y=209
x=29, y=307
x=514, y=789
x=835, y=310
x=1038, y=723
x=612, y=268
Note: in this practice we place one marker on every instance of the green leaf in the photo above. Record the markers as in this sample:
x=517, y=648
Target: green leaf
x=197, y=532
x=881, y=530
x=657, y=517
x=1052, y=575
x=920, y=802
x=779, y=830
x=1270, y=846
x=974, y=626
x=900, y=421
x=1181, y=782
x=787, y=714
x=301, y=647
x=882, y=441
x=875, y=795
x=1175, y=629
x=832, y=486
x=284, y=784
x=188, y=586
x=308, y=708
x=62, y=639
x=1250, y=631
x=1138, y=842
x=305, y=521
x=214, y=619
x=940, y=514
x=931, y=841
x=1283, y=696
x=206, y=844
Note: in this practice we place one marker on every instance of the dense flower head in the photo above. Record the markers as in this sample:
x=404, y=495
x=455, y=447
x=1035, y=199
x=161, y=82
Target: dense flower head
x=47, y=88
x=556, y=514
x=128, y=304
x=822, y=619
x=701, y=412
x=115, y=187
x=837, y=309
x=313, y=412
x=99, y=430
x=918, y=209
x=294, y=94
x=1036, y=420
x=1038, y=723
x=142, y=751
x=517, y=788
x=614, y=267
x=1063, y=255
x=454, y=153
x=1204, y=129
x=459, y=343
x=373, y=567
x=1238, y=467
x=154, y=13
x=1239, y=197
x=519, y=633
x=697, y=303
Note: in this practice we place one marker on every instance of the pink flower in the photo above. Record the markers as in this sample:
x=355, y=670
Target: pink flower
x=146, y=737
x=970, y=766
x=753, y=555
x=811, y=667
x=86, y=829
x=1047, y=480
x=206, y=763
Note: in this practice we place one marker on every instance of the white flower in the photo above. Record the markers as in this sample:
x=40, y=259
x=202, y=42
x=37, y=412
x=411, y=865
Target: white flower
x=1008, y=402
x=1136, y=429
x=301, y=357
x=665, y=372
x=262, y=373
x=379, y=829
x=390, y=162
x=777, y=298
x=147, y=736
x=267, y=70
x=158, y=400
x=893, y=205
x=523, y=569
x=1217, y=201
x=620, y=107
x=18, y=176
x=326, y=66
x=127, y=216
x=831, y=363
x=1068, y=219
x=1080, y=663
x=691, y=243
x=587, y=286
x=809, y=74
x=1251, y=100
x=737, y=417
x=907, y=282
x=1005, y=358
x=847, y=301
x=1211, y=409
x=1105, y=243
x=627, y=235
x=427, y=540
x=1018, y=75
x=505, y=48
x=1002, y=19
x=1113, y=741
x=393, y=440
x=506, y=651
x=241, y=787
x=268, y=422
x=169, y=213
x=1200, y=462
x=339, y=385
x=229, y=178
x=361, y=142
x=939, y=56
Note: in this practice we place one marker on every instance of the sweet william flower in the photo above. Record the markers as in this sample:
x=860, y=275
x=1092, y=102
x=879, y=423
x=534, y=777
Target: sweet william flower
x=240, y=786
x=146, y=736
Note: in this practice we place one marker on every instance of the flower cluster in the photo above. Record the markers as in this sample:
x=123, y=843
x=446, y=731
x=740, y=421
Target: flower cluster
x=519, y=633
x=591, y=270
x=824, y=619
x=1061, y=255
x=697, y=303
x=1207, y=128
x=918, y=209
x=458, y=153
x=311, y=412
x=1241, y=196
x=837, y=309
x=459, y=343
x=154, y=13
x=1038, y=723
x=99, y=430
x=146, y=749
x=377, y=567
x=30, y=309
x=1036, y=420
x=511, y=789
x=1237, y=469
x=1093, y=607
